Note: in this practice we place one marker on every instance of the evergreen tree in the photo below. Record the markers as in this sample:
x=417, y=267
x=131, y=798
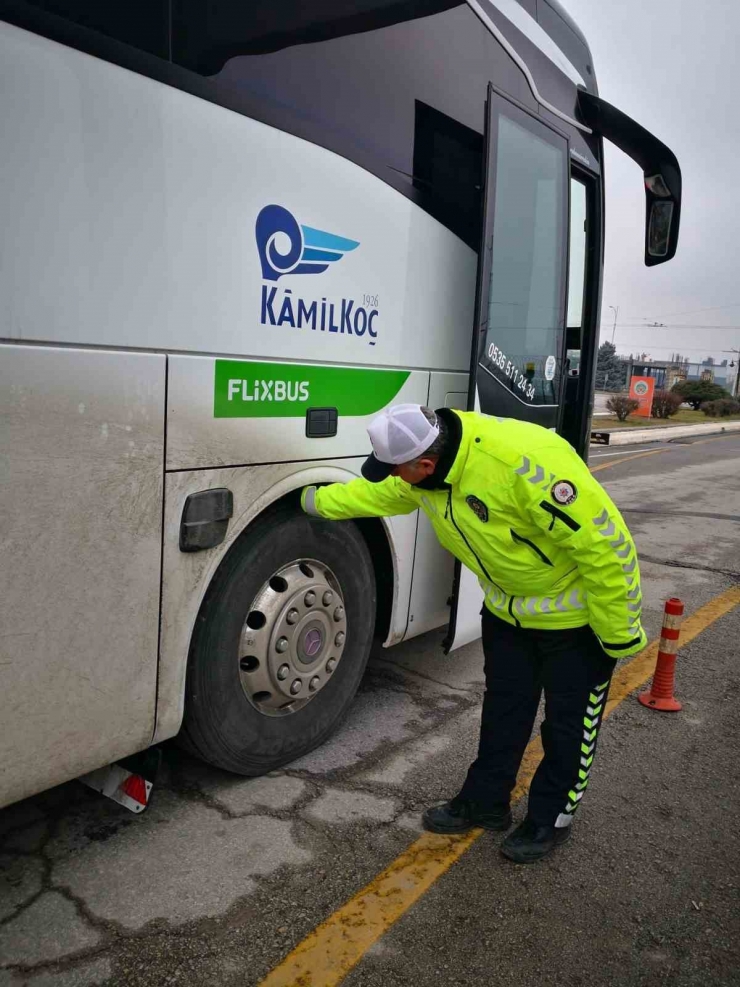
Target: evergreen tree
x=696, y=392
x=611, y=372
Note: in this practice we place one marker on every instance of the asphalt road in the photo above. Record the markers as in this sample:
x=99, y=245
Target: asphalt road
x=222, y=877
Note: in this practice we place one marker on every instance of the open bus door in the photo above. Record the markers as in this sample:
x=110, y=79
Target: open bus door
x=523, y=342
x=517, y=365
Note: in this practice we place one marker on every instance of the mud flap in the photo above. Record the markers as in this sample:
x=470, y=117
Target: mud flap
x=129, y=782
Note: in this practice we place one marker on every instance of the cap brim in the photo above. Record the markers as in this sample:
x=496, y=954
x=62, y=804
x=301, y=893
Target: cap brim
x=375, y=471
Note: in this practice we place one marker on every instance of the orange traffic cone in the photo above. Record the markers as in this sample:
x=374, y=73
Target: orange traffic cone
x=660, y=695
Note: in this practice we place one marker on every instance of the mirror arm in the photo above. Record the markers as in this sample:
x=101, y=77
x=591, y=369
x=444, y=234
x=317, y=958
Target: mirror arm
x=661, y=172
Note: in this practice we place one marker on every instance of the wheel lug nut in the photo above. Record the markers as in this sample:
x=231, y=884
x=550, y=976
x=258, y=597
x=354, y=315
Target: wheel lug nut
x=327, y=598
x=339, y=639
x=331, y=664
x=314, y=683
x=293, y=616
x=283, y=672
x=339, y=613
x=310, y=598
x=282, y=644
x=295, y=687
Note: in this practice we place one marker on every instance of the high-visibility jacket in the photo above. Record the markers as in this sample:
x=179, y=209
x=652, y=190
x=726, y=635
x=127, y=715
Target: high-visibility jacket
x=522, y=511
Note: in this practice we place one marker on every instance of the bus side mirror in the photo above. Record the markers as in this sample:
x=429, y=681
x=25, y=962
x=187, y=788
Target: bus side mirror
x=660, y=169
x=661, y=221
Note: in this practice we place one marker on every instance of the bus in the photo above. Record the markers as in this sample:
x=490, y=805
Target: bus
x=232, y=234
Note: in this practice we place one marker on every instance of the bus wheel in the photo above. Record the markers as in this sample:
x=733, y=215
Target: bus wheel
x=280, y=644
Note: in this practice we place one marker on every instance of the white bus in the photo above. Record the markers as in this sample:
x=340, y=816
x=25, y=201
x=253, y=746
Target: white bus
x=231, y=234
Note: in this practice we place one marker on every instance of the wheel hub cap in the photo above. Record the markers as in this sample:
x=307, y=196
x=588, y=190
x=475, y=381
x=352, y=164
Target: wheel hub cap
x=293, y=638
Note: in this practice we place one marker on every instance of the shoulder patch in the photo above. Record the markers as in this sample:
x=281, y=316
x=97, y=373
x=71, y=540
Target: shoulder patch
x=477, y=507
x=564, y=492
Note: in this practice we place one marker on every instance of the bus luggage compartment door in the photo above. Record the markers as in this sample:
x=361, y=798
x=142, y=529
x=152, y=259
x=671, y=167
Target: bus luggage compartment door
x=82, y=451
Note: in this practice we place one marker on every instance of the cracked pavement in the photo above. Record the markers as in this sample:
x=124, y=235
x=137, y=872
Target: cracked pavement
x=90, y=892
x=222, y=875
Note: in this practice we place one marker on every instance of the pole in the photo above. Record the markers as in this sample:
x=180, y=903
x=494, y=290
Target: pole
x=736, y=385
x=614, y=327
x=660, y=694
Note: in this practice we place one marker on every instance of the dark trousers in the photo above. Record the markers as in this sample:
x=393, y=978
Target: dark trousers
x=574, y=673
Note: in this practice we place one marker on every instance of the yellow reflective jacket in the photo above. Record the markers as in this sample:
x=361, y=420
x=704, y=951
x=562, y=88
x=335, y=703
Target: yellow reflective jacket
x=523, y=512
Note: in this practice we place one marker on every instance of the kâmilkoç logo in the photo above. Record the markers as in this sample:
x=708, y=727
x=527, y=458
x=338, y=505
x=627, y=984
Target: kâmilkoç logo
x=287, y=248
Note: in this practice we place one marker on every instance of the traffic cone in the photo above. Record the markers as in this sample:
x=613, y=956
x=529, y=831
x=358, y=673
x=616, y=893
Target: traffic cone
x=660, y=695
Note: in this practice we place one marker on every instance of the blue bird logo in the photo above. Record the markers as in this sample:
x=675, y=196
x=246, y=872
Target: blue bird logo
x=285, y=247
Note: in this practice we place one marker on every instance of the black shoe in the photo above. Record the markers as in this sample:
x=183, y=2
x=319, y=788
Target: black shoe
x=459, y=815
x=530, y=842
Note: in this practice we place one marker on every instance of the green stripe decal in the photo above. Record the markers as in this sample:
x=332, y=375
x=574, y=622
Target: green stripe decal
x=286, y=390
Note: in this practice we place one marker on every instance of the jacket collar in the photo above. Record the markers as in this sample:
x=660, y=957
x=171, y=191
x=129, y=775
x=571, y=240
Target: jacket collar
x=460, y=447
x=442, y=477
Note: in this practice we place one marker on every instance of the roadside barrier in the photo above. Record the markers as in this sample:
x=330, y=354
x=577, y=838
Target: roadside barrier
x=660, y=694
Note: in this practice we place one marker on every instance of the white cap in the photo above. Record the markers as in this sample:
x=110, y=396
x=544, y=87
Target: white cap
x=398, y=435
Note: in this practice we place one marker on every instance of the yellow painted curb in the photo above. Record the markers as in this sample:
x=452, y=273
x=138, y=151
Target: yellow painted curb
x=327, y=954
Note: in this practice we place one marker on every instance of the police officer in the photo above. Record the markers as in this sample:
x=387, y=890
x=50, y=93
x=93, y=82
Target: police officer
x=558, y=567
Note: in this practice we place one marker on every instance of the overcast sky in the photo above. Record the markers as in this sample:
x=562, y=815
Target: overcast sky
x=672, y=65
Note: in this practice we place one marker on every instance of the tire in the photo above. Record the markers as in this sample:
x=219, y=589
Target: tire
x=239, y=711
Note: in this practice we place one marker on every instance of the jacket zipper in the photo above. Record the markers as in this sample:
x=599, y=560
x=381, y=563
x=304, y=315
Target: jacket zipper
x=474, y=553
x=526, y=541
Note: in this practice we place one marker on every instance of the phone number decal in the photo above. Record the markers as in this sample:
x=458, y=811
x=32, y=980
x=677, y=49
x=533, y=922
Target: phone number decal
x=511, y=371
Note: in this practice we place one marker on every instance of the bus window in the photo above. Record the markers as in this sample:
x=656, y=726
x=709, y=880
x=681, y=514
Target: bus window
x=524, y=335
x=577, y=265
x=448, y=158
x=143, y=24
x=571, y=423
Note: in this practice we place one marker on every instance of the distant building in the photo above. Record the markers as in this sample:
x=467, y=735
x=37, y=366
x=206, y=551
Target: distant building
x=670, y=372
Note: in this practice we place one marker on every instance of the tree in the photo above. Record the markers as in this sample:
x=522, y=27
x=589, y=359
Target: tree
x=610, y=370
x=622, y=406
x=665, y=404
x=696, y=392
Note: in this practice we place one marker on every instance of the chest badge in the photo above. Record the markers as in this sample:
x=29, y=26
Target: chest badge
x=477, y=507
x=564, y=492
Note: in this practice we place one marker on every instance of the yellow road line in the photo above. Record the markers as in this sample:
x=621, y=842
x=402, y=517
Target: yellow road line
x=657, y=452
x=628, y=459
x=327, y=954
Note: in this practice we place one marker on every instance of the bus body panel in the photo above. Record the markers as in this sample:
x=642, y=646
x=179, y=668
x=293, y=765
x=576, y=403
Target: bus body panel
x=239, y=412
x=434, y=567
x=81, y=455
x=186, y=576
x=143, y=201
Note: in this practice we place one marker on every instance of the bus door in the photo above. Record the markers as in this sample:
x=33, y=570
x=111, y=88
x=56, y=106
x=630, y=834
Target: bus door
x=518, y=361
x=585, y=259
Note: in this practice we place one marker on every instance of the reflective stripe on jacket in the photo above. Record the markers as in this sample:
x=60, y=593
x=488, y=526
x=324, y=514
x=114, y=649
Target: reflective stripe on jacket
x=523, y=512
